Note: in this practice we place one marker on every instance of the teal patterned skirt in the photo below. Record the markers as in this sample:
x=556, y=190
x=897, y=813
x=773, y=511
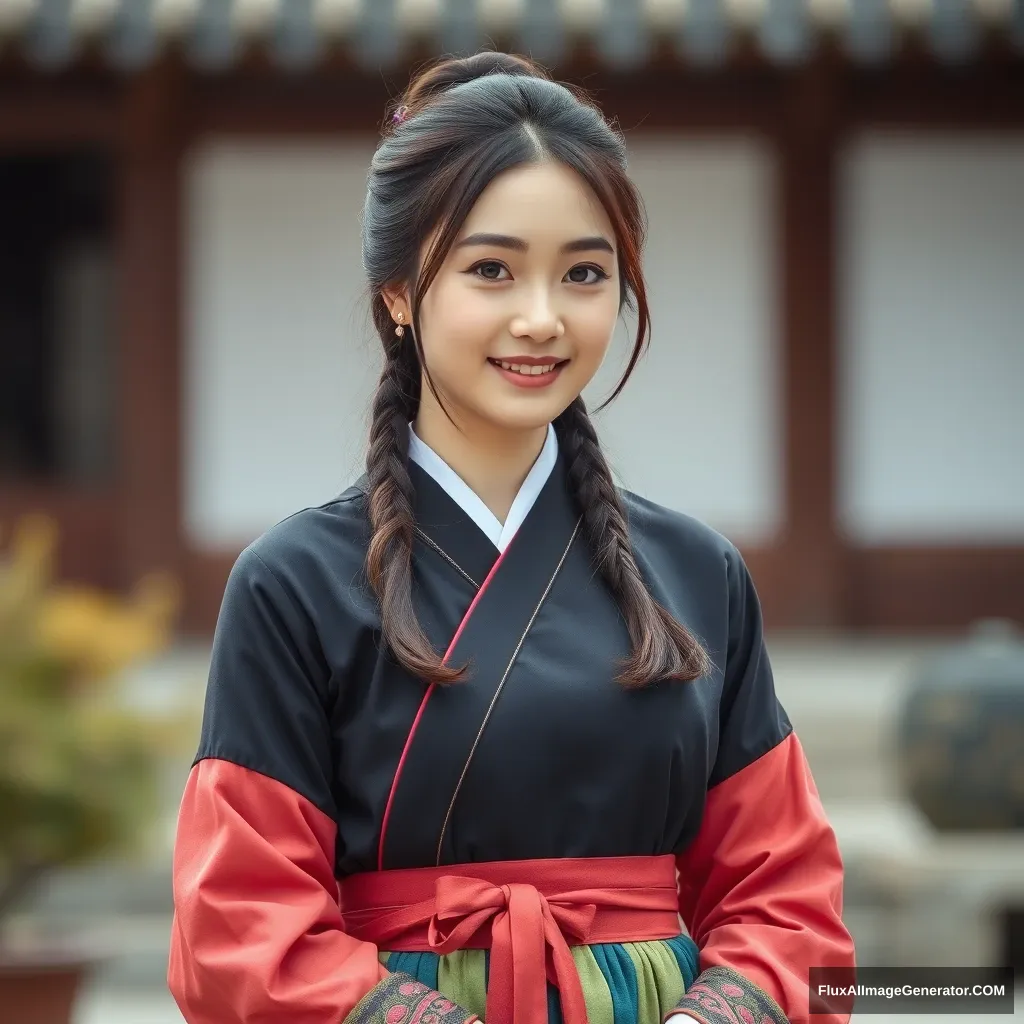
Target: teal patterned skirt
x=623, y=982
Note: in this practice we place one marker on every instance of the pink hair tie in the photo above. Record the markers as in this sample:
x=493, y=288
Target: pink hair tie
x=400, y=115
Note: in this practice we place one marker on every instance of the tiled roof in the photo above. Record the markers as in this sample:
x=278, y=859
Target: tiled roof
x=379, y=32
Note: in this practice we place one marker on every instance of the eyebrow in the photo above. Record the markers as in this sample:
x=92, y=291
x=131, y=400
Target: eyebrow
x=481, y=238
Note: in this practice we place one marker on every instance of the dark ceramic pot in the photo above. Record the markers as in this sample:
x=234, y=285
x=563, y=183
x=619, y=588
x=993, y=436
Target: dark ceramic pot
x=961, y=734
x=40, y=988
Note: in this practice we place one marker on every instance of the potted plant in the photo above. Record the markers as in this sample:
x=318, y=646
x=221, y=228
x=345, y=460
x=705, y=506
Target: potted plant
x=79, y=768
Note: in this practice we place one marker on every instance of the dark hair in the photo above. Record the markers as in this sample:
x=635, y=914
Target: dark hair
x=461, y=123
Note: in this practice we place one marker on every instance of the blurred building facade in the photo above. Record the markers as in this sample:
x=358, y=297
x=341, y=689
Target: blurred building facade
x=835, y=261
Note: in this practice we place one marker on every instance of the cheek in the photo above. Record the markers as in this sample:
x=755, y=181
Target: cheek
x=593, y=325
x=456, y=320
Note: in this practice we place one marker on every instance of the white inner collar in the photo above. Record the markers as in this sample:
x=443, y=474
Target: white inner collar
x=463, y=495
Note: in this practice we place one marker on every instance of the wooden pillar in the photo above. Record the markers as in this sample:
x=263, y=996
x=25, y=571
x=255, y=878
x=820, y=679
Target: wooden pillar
x=811, y=551
x=149, y=268
x=39, y=114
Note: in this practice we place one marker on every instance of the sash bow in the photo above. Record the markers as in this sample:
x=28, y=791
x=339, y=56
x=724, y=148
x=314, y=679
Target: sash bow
x=528, y=944
x=526, y=912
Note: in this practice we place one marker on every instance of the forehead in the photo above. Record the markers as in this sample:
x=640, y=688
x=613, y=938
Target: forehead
x=545, y=200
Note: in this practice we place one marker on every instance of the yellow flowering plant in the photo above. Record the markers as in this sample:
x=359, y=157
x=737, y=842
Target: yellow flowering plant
x=79, y=768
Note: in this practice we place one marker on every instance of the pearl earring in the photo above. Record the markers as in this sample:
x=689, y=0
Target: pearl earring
x=399, y=330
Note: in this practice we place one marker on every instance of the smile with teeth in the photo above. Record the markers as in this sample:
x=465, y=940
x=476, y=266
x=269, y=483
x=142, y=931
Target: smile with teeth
x=529, y=371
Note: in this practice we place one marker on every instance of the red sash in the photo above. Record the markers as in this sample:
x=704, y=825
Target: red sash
x=525, y=912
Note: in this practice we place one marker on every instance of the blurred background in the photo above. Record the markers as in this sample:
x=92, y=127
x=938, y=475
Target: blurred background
x=836, y=269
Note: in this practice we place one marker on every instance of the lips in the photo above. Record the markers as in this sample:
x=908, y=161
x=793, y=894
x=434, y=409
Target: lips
x=529, y=366
x=532, y=373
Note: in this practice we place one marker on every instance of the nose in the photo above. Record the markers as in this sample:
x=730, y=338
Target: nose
x=538, y=320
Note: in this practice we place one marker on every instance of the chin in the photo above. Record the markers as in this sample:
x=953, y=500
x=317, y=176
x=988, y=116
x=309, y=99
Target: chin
x=524, y=415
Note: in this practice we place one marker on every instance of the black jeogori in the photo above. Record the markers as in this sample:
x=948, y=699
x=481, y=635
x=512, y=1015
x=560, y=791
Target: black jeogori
x=480, y=730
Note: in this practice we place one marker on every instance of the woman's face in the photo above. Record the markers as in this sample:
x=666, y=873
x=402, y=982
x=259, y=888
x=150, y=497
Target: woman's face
x=522, y=311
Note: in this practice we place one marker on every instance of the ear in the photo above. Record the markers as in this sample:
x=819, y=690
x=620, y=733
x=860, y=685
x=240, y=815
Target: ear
x=397, y=301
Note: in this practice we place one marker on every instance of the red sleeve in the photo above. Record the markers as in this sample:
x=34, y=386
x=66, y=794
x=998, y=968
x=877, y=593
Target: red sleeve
x=257, y=933
x=257, y=928
x=761, y=894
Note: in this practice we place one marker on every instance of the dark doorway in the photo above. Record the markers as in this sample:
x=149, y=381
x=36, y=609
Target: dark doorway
x=57, y=317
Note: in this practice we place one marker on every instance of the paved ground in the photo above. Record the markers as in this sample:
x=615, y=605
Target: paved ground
x=116, y=1006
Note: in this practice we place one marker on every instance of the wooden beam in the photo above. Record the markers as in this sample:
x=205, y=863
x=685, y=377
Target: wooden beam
x=671, y=100
x=811, y=548
x=978, y=98
x=40, y=114
x=935, y=588
x=150, y=306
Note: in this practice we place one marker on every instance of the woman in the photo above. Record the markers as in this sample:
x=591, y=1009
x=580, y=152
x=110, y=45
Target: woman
x=468, y=722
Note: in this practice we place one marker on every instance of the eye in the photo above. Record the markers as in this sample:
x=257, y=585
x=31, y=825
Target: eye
x=586, y=273
x=488, y=270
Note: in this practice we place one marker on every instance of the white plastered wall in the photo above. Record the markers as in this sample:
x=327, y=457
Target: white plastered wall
x=932, y=367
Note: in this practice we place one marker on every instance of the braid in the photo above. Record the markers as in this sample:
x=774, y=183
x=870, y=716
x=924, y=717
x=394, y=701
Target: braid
x=661, y=647
x=390, y=500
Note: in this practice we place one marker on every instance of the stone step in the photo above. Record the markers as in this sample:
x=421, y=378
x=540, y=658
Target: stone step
x=129, y=949
x=135, y=889
x=851, y=756
x=106, y=1002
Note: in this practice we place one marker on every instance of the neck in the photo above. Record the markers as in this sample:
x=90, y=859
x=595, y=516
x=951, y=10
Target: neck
x=492, y=462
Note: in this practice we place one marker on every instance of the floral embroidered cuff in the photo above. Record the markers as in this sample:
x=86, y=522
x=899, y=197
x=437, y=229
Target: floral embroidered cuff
x=721, y=996
x=400, y=999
